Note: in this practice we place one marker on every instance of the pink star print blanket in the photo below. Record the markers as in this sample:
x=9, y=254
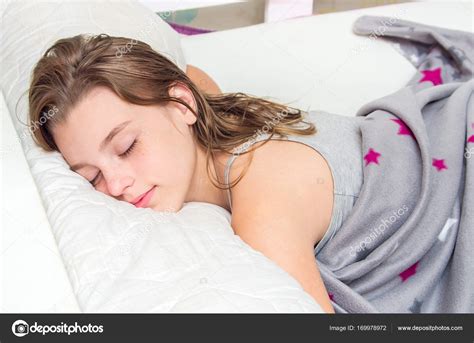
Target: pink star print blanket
x=408, y=244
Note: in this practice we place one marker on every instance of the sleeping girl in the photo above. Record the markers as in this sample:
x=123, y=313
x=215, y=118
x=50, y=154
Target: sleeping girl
x=142, y=131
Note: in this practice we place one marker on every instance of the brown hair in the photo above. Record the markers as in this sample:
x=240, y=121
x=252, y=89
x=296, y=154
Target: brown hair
x=138, y=74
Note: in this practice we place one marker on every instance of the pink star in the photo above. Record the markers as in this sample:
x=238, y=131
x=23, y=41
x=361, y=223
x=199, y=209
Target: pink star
x=471, y=139
x=371, y=156
x=432, y=75
x=408, y=272
x=439, y=164
x=404, y=130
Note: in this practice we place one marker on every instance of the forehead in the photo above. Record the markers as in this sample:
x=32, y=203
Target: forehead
x=98, y=111
x=90, y=121
x=99, y=102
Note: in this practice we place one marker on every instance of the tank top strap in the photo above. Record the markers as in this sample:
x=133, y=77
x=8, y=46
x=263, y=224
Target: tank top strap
x=236, y=152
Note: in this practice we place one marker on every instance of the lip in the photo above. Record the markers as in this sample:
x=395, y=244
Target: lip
x=144, y=198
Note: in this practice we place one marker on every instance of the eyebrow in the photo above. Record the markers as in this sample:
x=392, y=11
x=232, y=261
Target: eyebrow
x=105, y=142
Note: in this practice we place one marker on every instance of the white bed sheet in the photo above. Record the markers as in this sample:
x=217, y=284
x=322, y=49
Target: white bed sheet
x=310, y=63
x=32, y=273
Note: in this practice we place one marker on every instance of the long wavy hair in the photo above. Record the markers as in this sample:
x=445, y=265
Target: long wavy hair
x=136, y=73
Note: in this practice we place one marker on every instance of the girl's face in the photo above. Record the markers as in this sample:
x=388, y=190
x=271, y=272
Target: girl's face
x=125, y=150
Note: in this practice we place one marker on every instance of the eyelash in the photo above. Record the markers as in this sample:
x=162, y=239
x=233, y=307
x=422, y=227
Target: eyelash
x=129, y=150
x=125, y=154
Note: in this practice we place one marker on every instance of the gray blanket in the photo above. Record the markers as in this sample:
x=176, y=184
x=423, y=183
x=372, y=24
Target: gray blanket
x=408, y=244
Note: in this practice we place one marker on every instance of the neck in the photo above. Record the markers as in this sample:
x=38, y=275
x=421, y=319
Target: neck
x=201, y=188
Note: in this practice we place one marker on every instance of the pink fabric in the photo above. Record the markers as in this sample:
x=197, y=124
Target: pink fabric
x=188, y=30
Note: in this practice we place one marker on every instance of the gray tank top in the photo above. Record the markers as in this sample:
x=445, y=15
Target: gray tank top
x=338, y=140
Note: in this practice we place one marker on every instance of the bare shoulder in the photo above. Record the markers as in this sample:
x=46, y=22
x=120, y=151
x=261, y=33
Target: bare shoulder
x=279, y=172
x=280, y=209
x=202, y=80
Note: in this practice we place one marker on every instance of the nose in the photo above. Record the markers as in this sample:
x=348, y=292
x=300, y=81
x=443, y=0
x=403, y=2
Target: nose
x=117, y=181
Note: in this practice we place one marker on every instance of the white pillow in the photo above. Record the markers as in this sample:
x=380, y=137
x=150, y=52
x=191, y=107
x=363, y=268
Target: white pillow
x=30, y=27
x=125, y=259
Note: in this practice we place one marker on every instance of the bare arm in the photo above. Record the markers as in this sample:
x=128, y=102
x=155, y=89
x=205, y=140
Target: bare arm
x=272, y=213
x=202, y=80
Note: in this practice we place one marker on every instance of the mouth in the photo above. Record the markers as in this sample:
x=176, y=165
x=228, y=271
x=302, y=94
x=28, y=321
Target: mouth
x=144, y=199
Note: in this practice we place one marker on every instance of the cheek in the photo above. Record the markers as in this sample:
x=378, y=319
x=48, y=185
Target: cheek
x=176, y=163
x=170, y=156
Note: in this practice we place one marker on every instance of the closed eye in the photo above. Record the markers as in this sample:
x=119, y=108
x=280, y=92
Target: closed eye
x=129, y=150
x=123, y=155
x=92, y=182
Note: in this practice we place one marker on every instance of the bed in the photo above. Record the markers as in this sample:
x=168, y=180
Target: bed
x=66, y=248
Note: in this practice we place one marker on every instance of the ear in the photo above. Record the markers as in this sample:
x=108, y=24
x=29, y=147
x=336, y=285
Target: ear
x=179, y=90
